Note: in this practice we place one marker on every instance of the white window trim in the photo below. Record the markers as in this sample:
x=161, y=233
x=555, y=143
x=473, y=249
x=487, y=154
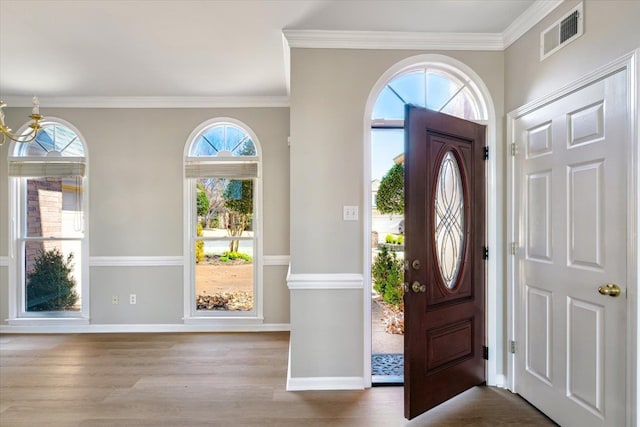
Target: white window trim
x=17, y=316
x=226, y=318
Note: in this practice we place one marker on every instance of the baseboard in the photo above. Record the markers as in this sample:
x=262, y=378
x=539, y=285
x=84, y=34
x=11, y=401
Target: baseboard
x=324, y=383
x=138, y=328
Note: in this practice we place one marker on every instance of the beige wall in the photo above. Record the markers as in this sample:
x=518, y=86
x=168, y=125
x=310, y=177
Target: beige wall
x=329, y=91
x=136, y=202
x=611, y=29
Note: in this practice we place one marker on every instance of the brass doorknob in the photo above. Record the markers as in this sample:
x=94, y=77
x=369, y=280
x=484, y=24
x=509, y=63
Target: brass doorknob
x=611, y=289
x=417, y=287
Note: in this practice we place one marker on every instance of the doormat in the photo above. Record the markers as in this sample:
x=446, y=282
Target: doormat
x=387, y=369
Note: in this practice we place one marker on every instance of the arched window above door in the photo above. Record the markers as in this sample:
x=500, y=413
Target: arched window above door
x=437, y=87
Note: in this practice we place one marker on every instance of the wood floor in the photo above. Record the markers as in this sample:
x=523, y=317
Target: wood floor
x=202, y=380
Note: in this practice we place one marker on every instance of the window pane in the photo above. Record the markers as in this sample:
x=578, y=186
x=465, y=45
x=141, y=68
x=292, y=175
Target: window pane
x=449, y=220
x=210, y=143
x=440, y=88
x=224, y=266
x=52, y=272
x=54, y=207
x=225, y=276
x=223, y=140
x=462, y=106
x=54, y=140
x=388, y=106
x=410, y=87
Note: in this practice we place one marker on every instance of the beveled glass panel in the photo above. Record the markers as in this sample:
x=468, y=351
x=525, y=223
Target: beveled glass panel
x=449, y=220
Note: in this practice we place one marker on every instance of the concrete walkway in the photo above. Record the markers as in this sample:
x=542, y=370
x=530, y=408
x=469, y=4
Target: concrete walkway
x=382, y=341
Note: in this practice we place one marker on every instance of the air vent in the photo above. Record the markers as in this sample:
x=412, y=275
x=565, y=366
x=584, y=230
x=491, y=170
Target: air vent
x=562, y=32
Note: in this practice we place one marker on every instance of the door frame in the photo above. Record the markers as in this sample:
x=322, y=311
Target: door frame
x=631, y=63
x=495, y=315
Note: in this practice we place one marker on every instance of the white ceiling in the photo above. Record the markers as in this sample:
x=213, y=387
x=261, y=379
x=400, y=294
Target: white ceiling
x=197, y=48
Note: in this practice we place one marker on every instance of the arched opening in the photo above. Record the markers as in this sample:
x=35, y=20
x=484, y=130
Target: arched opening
x=442, y=84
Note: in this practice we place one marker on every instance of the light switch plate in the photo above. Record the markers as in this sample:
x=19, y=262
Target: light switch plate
x=350, y=213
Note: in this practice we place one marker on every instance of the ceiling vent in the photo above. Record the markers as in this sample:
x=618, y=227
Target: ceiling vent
x=562, y=32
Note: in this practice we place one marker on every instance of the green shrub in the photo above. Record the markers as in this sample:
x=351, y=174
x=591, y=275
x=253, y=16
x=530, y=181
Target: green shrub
x=237, y=255
x=223, y=259
x=387, y=273
x=400, y=239
x=50, y=285
x=199, y=244
x=389, y=239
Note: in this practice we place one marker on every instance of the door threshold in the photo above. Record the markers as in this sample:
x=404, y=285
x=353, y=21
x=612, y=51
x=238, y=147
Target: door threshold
x=387, y=380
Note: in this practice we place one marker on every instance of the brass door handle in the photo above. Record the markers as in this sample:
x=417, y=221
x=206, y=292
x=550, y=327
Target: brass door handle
x=610, y=289
x=417, y=287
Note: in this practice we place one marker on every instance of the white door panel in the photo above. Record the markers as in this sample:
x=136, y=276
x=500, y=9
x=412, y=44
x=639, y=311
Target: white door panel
x=571, y=188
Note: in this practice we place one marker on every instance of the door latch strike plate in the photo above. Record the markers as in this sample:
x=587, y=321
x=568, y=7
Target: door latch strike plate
x=485, y=352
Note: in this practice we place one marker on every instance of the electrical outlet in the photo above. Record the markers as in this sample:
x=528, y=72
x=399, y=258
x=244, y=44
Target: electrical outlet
x=132, y=299
x=115, y=300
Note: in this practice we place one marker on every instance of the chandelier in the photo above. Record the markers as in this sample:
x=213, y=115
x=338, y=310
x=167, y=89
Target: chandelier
x=34, y=125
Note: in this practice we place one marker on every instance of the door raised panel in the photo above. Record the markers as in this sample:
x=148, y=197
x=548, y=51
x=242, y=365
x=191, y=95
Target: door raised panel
x=586, y=125
x=539, y=208
x=449, y=345
x=538, y=140
x=585, y=361
x=539, y=334
x=585, y=219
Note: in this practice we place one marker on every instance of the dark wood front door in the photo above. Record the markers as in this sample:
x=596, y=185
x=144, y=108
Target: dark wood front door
x=444, y=249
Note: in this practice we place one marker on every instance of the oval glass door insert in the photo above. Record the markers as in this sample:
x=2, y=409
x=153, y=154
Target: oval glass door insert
x=449, y=220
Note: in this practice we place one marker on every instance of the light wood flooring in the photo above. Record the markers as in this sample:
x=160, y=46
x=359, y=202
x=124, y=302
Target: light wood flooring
x=202, y=380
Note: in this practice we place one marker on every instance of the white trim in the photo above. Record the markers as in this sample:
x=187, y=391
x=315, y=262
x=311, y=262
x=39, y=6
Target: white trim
x=396, y=40
x=528, y=19
x=40, y=322
x=136, y=261
x=4, y=261
x=275, y=260
x=324, y=281
x=631, y=63
x=16, y=194
x=189, y=215
x=324, y=383
x=494, y=298
x=136, y=328
x=152, y=101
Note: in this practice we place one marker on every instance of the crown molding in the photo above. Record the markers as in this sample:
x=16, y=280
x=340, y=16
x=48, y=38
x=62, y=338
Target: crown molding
x=151, y=101
x=528, y=19
x=327, y=39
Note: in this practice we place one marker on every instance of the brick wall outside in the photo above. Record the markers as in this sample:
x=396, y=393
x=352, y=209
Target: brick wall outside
x=44, y=215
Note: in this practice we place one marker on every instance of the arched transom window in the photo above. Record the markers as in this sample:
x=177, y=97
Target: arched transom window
x=222, y=169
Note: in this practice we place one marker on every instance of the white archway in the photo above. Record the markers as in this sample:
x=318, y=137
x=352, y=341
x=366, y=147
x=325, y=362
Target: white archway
x=494, y=307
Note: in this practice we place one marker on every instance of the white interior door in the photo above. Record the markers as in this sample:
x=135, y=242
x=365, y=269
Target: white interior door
x=570, y=192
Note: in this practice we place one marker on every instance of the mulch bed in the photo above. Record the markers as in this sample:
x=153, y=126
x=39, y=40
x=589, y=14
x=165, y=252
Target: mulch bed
x=228, y=301
x=393, y=317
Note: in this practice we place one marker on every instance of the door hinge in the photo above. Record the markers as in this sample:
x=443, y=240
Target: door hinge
x=485, y=253
x=512, y=347
x=514, y=149
x=514, y=248
x=485, y=352
x=486, y=152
